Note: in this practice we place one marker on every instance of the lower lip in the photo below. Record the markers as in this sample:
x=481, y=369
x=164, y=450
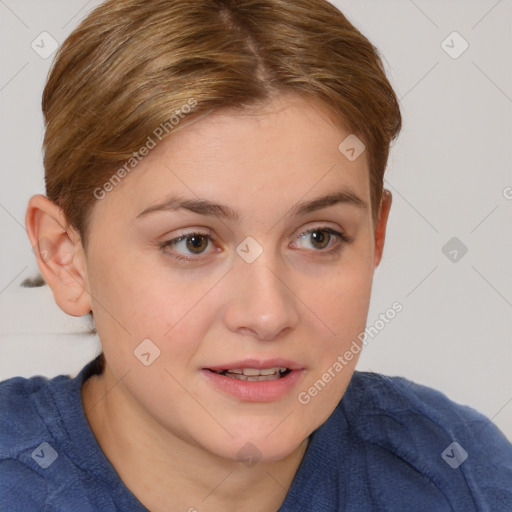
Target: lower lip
x=255, y=391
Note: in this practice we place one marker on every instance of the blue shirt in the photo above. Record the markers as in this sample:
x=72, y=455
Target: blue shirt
x=390, y=445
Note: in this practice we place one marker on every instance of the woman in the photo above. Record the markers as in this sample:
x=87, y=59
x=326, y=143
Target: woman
x=214, y=177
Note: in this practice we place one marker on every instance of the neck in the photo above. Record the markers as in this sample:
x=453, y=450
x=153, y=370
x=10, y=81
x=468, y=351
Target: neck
x=166, y=472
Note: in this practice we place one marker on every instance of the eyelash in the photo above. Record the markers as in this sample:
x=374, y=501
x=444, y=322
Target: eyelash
x=342, y=240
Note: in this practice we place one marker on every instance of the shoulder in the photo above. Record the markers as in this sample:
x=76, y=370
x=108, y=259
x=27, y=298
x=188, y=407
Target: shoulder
x=21, y=488
x=48, y=458
x=455, y=448
x=25, y=405
x=398, y=394
x=395, y=404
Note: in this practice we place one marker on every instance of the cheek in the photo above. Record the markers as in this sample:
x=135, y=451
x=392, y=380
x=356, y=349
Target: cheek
x=135, y=299
x=128, y=290
x=342, y=299
x=343, y=308
x=342, y=304
x=123, y=302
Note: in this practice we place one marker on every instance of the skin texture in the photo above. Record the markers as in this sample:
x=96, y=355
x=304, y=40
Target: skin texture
x=173, y=437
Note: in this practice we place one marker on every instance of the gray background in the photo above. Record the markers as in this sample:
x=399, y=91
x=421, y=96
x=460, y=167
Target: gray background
x=450, y=174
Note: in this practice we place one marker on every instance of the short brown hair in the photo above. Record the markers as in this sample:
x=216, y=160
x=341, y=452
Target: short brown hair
x=131, y=64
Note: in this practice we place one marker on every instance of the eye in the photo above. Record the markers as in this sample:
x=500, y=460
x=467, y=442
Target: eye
x=322, y=237
x=188, y=245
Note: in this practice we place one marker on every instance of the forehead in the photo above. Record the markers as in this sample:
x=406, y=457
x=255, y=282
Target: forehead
x=286, y=128
x=279, y=152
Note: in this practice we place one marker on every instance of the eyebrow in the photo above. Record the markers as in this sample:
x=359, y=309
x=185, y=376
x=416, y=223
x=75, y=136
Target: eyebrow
x=205, y=207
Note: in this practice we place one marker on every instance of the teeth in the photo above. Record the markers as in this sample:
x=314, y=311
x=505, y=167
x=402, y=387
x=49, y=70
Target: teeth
x=253, y=378
x=275, y=376
x=254, y=374
x=236, y=376
x=268, y=371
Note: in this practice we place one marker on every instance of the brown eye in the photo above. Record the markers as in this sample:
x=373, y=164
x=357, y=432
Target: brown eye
x=197, y=243
x=323, y=240
x=320, y=238
x=187, y=246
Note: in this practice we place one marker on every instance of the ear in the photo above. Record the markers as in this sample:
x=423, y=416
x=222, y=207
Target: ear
x=59, y=255
x=380, y=231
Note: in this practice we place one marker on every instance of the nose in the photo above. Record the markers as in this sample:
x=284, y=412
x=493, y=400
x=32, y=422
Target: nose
x=263, y=304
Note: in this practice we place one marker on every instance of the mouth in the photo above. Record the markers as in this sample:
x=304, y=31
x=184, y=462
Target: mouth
x=254, y=374
x=255, y=380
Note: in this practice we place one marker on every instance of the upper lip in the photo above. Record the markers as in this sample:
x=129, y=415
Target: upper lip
x=258, y=364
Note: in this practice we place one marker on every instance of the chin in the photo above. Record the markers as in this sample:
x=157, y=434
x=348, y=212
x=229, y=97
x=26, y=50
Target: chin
x=264, y=445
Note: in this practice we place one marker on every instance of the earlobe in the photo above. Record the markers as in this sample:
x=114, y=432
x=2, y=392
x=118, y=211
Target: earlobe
x=59, y=253
x=380, y=231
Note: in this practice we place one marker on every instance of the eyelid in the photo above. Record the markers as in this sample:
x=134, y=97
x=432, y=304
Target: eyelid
x=207, y=233
x=324, y=227
x=342, y=239
x=191, y=232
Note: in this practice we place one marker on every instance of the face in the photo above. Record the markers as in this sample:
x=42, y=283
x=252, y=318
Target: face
x=219, y=251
